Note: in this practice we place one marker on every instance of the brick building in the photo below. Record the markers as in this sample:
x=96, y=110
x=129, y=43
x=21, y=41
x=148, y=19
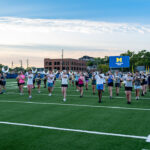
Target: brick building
x=68, y=64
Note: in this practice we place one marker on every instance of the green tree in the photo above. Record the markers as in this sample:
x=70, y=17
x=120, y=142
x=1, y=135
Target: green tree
x=104, y=68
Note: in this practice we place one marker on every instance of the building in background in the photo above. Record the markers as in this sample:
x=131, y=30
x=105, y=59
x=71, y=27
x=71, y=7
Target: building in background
x=68, y=64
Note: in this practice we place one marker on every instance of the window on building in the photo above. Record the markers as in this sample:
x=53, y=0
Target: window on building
x=46, y=63
x=50, y=63
x=58, y=63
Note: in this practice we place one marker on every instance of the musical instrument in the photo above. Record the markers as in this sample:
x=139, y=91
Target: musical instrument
x=34, y=70
x=5, y=69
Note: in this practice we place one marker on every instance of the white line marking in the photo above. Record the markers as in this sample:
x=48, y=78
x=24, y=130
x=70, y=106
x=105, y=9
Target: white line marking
x=9, y=93
x=75, y=130
x=148, y=139
x=75, y=105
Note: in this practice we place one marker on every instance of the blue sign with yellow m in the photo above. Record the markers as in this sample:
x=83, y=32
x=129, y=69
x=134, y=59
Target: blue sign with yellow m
x=119, y=61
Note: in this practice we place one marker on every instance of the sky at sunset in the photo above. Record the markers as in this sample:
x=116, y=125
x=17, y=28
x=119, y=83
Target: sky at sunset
x=40, y=29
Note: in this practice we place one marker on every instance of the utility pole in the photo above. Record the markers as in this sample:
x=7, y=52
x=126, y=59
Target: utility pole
x=62, y=58
x=12, y=65
x=21, y=63
x=27, y=63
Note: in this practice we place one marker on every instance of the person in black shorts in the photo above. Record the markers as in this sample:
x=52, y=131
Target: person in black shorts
x=148, y=81
x=128, y=87
x=1, y=83
x=93, y=83
x=110, y=83
x=45, y=80
x=38, y=81
x=117, y=82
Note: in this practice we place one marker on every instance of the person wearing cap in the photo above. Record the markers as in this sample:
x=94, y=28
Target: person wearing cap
x=128, y=87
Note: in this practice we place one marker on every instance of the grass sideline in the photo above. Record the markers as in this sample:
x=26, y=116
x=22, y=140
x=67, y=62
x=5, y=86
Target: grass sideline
x=119, y=121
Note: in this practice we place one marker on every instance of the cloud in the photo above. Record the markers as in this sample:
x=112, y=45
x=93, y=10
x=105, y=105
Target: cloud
x=23, y=37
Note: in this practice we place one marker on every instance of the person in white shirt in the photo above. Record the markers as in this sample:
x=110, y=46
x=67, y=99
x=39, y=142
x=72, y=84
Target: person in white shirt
x=30, y=83
x=50, y=82
x=64, y=84
x=100, y=85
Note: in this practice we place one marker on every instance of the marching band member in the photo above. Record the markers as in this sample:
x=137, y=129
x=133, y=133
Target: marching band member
x=110, y=83
x=81, y=84
x=93, y=83
x=70, y=77
x=1, y=83
x=38, y=81
x=45, y=80
x=21, y=81
x=143, y=83
x=117, y=82
x=30, y=83
x=86, y=80
x=137, y=84
x=100, y=85
x=148, y=81
x=64, y=84
x=128, y=87
x=50, y=82
x=76, y=80
x=4, y=82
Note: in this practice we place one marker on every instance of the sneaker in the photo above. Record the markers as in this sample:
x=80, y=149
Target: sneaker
x=110, y=97
x=128, y=102
x=99, y=101
x=64, y=99
x=39, y=92
x=30, y=97
x=50, y=94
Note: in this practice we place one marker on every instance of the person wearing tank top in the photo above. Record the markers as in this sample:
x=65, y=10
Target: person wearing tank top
x=81, y=84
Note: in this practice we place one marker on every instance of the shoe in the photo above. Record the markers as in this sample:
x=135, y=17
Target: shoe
x=128, y=102
x=64, y=99
x=50, y=94
x=142, y=94
x=39, y=92
x=99, y=101
x=110, y=97
x=1, y=92
x=30, y=97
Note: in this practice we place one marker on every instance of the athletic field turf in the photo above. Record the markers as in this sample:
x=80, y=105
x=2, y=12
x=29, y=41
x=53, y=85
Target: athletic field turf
x=47, y=123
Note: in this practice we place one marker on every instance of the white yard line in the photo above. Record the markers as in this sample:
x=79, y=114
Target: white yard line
x=75, y=130
x=75, y=105
x=118, y=97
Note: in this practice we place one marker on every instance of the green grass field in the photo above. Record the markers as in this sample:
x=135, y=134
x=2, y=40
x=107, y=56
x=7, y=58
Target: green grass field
x=114, y=117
